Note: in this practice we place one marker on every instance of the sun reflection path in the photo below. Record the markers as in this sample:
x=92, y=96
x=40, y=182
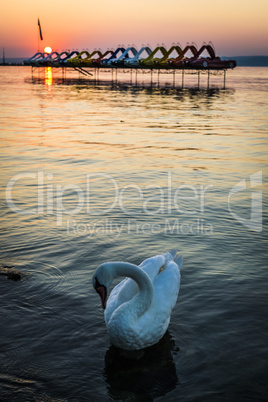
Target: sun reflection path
x=48, y=78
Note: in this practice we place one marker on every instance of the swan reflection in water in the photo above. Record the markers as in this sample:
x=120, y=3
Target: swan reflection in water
x=142, y=374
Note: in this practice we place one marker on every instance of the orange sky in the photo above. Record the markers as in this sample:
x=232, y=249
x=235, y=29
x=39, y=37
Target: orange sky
x=236, y=27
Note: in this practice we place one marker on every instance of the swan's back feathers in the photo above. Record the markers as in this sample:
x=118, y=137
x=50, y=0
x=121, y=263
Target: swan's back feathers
x=166, y=289
x=167, y=286
x=153, y=265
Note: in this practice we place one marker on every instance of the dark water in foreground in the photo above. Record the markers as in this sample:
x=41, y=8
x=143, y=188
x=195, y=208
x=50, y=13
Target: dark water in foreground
x=94, y=173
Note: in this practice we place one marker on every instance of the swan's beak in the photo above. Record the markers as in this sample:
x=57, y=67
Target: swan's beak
x=102, y=291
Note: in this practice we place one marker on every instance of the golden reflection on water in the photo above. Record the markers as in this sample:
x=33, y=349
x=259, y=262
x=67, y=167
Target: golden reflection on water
x=118, y=128
x=48, y=78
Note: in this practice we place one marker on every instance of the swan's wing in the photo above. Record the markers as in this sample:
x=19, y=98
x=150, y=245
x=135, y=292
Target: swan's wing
x=166, y=288
x=153, y=265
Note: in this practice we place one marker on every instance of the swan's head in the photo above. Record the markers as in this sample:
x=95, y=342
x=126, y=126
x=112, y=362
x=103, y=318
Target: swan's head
x=101, y=281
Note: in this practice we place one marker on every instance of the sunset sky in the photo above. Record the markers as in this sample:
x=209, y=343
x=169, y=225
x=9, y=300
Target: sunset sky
x=236, y=27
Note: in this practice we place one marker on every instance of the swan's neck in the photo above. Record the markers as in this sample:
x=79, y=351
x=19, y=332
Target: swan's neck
x=142, y=301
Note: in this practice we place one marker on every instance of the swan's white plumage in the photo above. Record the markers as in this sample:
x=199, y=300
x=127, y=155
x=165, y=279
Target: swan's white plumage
x=133, y=321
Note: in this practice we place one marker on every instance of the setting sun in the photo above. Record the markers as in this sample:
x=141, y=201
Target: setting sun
x=48, y=49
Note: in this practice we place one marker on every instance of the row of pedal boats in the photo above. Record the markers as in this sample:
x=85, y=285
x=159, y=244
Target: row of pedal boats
x=130, y=57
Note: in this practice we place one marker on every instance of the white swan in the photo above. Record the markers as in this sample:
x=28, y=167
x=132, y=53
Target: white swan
x=138, y=310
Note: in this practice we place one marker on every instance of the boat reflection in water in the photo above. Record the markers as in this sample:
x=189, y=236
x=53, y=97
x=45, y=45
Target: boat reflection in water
x=131, y=78
x=142, y=374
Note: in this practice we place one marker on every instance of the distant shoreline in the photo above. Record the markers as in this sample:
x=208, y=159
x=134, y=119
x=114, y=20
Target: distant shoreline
x=242, y=61
x=250, y=61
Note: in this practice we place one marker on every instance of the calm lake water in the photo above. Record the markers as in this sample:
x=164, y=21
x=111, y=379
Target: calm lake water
x=95, y=172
